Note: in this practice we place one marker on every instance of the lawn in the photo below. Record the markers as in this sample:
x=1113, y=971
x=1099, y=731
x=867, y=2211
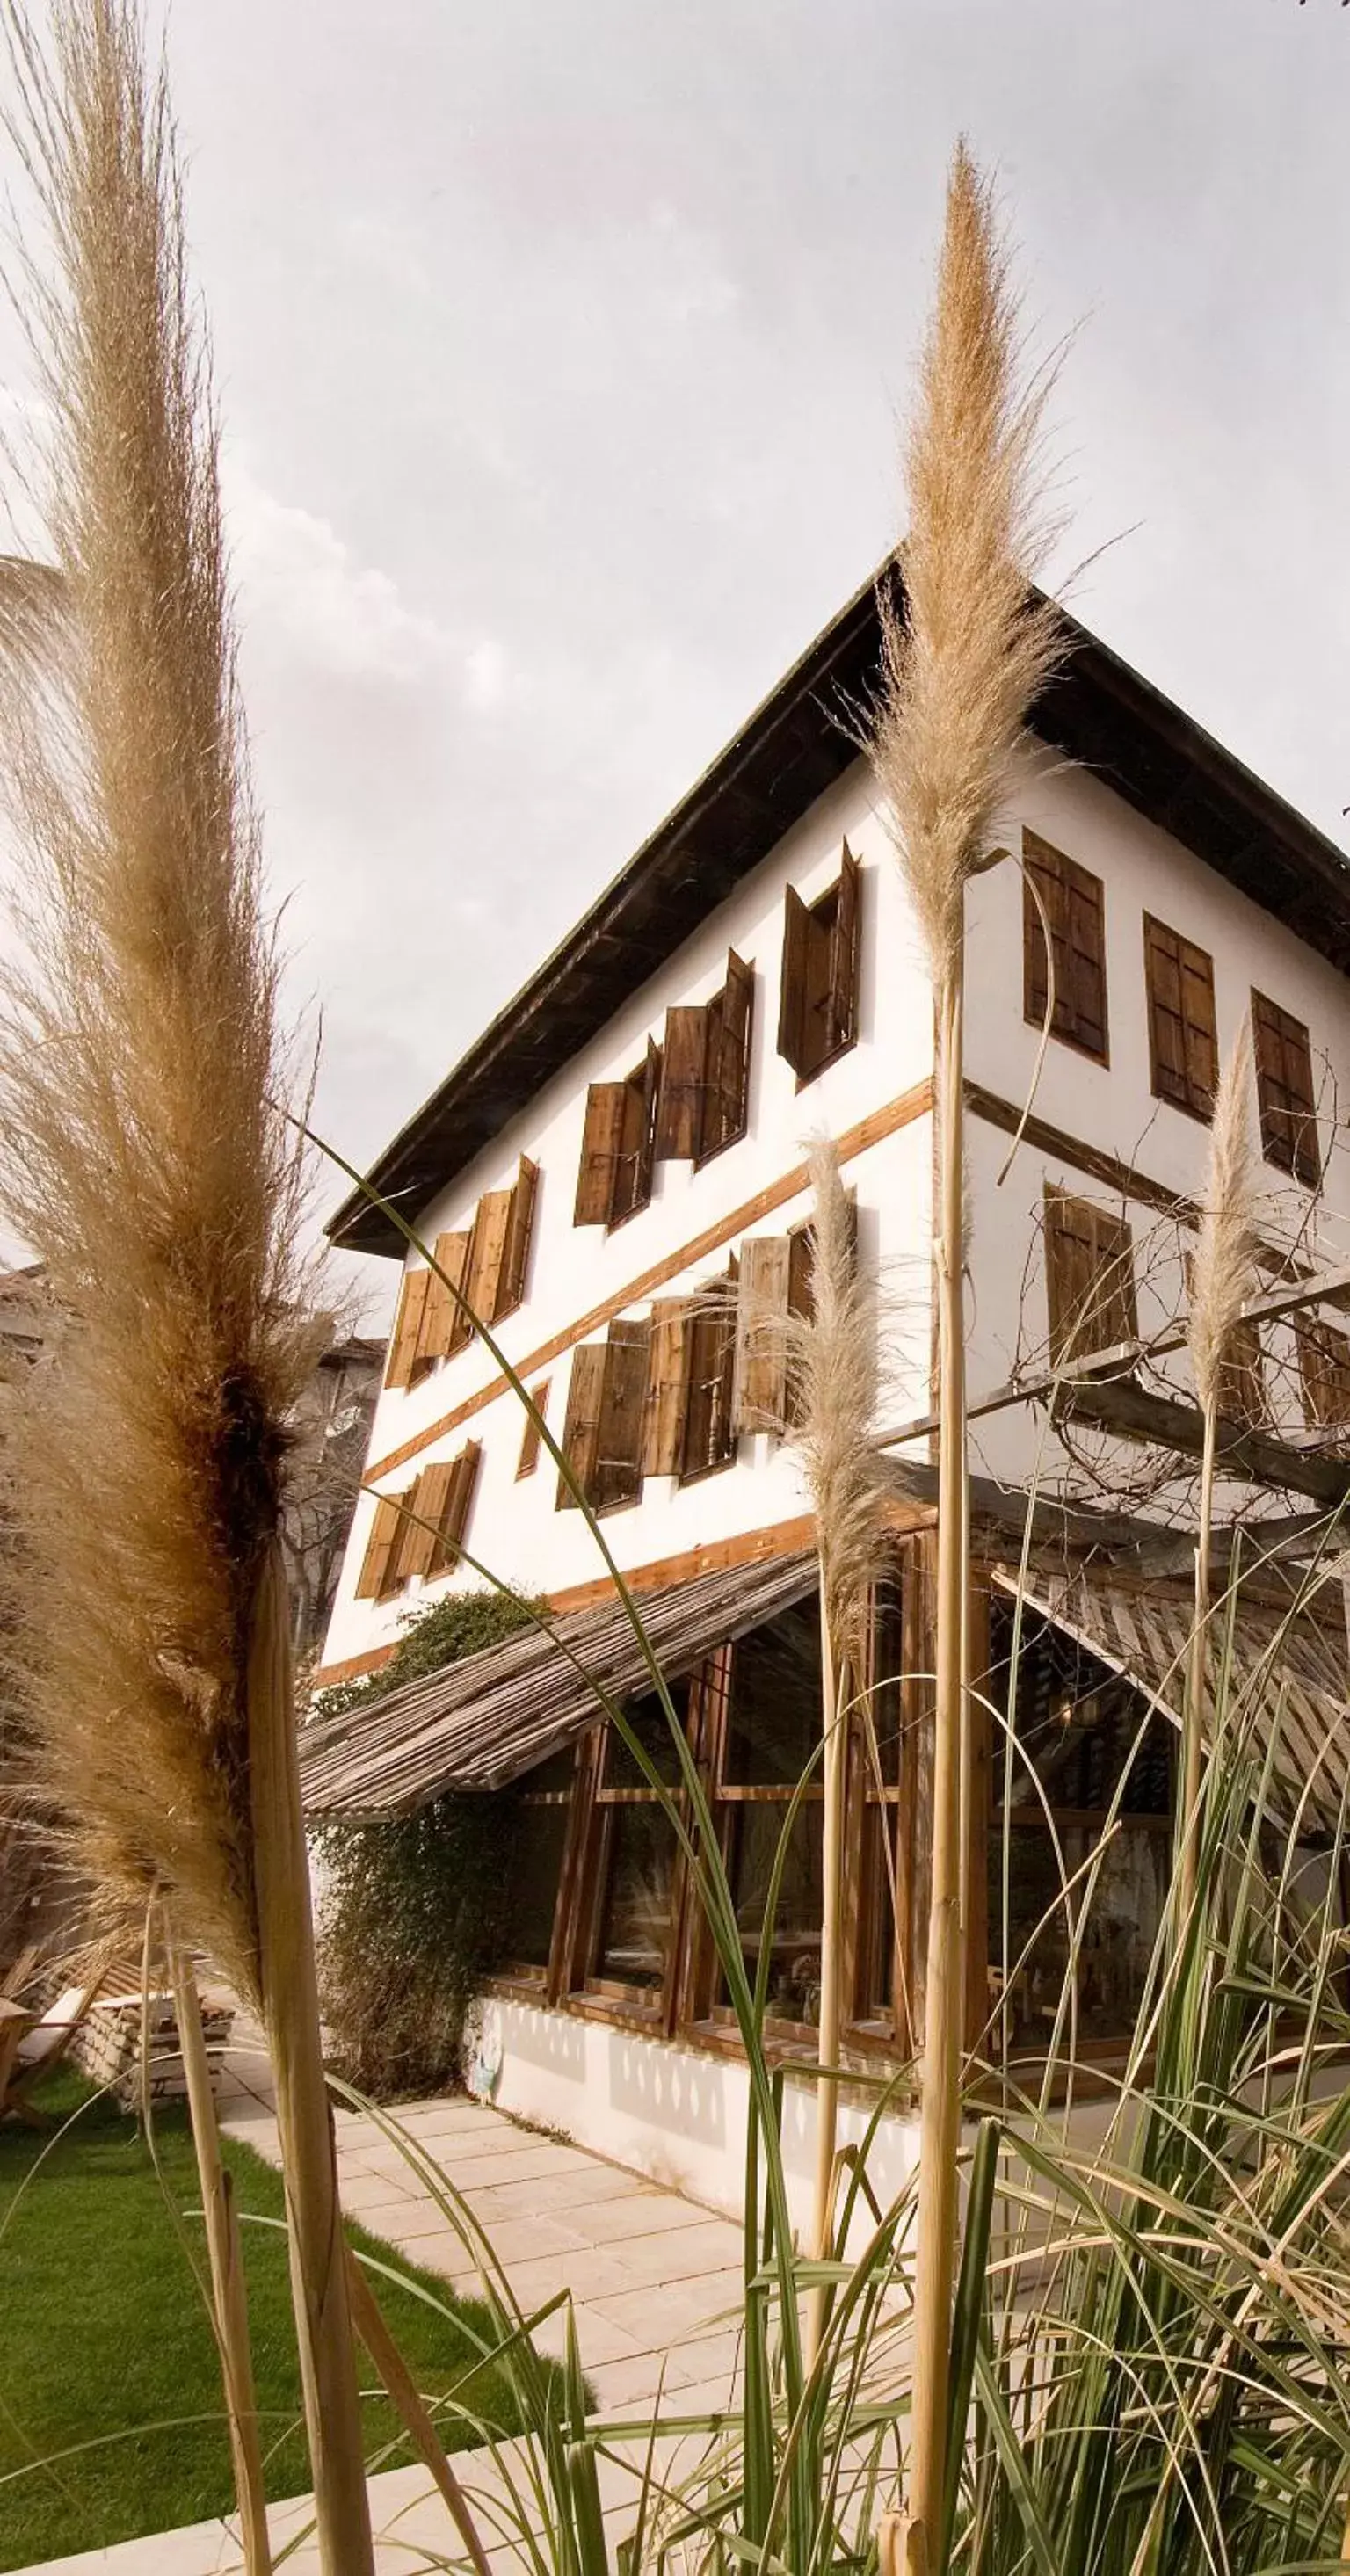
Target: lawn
x=104, y=2342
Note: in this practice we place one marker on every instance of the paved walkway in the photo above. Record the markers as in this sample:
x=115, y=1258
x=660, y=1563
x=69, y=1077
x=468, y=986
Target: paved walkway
x=652, y=2275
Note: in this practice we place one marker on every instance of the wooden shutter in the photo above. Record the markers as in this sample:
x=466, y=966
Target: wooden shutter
x=487, y=1254
x=372, y=1581
x=441, y=1332
x=709, y=1420
x=426, y=1503
x=520, y=1222
x=1242, y=1384
x=761, y=1334
x=726, y=1069
x=842, y=1011
x=1089, y=1268
x=453, y=1517
x=408, y=1325
x=599, y=1153
x=637, y=1138
x=1075, y=905
x=1284, y=1090
x=663, y=1425
x=1324, y=1366
x=532, y=1436
x=679, y=1119
x=1182, y=1033
x=581, y=1427
x=795, y=984
x=618, y=1457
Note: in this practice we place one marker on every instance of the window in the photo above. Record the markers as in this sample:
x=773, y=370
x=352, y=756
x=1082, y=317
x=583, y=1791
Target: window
x=1324, y=1366
x=617, y=1145
x=709, y=1383
x=1082, y=1734
x=538, y=1854
x=1075, y=907
x=628, y=1932
x=532, y=1435
x=1284, y=1089
x=631, y=1884
x=705, y=1078
x=690, y=1422
x=769, y=1732
x=421, y=1530
x=818, y=998
x=487, y=1262
x=602, y=1436
x=1089, y=1271
x=775, y=1293
x=1182, y=1037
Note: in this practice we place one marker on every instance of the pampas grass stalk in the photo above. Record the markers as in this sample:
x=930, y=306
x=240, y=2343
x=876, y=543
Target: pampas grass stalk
x=960, y=670
x=832, y=1358
x=148, y=1162
x=1222, y=1277
x=225, y=2255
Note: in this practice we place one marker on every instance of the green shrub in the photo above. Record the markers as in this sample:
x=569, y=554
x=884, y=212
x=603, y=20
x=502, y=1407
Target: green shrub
x=413, y=1912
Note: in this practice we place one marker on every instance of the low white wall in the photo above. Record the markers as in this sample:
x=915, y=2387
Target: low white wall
x=674, y=2113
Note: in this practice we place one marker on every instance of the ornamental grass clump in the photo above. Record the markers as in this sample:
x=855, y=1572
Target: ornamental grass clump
x=962, y=660
x=147, y=1157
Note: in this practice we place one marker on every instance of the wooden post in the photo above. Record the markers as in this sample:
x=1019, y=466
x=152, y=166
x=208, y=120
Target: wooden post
x=290, y=1999
x=834, y=1688
x=228, y=2297
x=940, y=2104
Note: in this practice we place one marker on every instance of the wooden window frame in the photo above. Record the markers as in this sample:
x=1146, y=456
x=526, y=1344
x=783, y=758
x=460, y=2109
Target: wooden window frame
x=687, y=2003
x=1183, y=1070
x=710, y=1328
x=647, y=2007
x=1324, y=1373
x=820, y=974
x=1072, y=895
x=1285, y=1092
x=1106, y=1263
x=526, y=1975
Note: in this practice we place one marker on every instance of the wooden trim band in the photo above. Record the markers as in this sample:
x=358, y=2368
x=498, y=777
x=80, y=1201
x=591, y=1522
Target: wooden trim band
x=869, y=1131
x=747, y=1547
x=1126, y=1178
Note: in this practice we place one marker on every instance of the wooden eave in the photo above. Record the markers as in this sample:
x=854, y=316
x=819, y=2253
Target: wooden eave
x=1097, y=711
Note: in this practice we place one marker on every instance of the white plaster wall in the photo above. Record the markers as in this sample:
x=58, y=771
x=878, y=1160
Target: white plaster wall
x=515, y=1526
x=669, y=2111
x=1112, y=1106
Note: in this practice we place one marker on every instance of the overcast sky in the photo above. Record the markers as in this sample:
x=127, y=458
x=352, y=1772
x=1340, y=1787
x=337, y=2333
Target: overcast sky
x=560, y=345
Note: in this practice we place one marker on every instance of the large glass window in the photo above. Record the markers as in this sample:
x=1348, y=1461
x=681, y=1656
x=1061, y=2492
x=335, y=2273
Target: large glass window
x=771, y=1730
x=1086, y=1752
x=632, y=1879
x=538, y=1851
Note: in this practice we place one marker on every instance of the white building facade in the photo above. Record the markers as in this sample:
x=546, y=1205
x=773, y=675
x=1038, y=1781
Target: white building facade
x=617, y=1173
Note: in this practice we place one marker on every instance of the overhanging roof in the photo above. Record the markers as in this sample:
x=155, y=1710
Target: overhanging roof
x=1097, y=711
x=484, y=1722
x=1286, y=1682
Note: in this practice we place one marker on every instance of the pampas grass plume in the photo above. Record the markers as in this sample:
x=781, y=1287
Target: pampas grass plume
x=964, y=658
x=140, y=1051
x=1223, y=1272
x=832, y=1370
